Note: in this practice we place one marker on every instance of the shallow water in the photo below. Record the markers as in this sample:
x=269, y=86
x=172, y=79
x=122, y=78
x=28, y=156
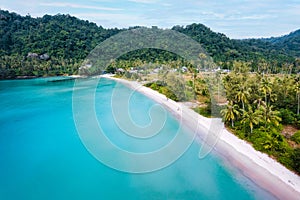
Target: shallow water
x=42, y=156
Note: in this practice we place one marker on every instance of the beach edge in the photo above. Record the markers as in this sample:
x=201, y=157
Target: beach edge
x=264, y=171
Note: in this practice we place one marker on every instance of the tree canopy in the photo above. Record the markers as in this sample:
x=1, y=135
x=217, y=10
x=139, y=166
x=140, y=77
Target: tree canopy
x=56, y=45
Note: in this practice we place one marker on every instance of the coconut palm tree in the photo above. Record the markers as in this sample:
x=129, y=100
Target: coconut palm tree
x=230, y=113
x=259, y=101
x=297, y=90
x=251, y=117
x=270, y=116
x=243, y=95
x=265, y=87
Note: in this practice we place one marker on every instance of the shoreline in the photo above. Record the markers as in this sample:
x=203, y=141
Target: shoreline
x=264, y=171
x=34, y=77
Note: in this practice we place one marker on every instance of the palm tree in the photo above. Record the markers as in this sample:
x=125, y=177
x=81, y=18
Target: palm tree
x=297, y=90
x=230, y=113
x=270, y=115
x=265, y=87
x=259, y=102
x=251, y=117
x=194, y=73
x=242, y=95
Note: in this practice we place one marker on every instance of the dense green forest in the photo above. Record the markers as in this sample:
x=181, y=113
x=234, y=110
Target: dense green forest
x=51, y=45
x=261, y=54
x=57, y=45
x=265, y=110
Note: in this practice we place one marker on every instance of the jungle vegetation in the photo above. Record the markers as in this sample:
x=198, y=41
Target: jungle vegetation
x=57, y=45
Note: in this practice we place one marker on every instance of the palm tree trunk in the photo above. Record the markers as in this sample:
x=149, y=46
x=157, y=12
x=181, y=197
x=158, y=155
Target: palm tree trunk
x=266, y=98
x=298, y=104
x=194, y=86
x=232, y=124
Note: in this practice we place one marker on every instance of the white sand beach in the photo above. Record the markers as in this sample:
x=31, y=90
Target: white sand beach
x=258, y=167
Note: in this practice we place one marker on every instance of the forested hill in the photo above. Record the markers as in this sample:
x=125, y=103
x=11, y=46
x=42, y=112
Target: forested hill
x=290, y=43
x=56, y=45
x=255, y=51
x=60, y=36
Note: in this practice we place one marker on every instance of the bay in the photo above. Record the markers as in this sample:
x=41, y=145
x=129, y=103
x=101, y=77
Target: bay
x=43, y=157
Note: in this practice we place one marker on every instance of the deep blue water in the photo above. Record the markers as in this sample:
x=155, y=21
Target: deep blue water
x=42, y=156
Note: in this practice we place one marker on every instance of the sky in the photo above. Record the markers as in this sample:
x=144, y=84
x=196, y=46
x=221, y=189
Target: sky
x=235, y=18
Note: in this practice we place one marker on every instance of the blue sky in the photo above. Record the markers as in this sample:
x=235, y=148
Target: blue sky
x=235, y=18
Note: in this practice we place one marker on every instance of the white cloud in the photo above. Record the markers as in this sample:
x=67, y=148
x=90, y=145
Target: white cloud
x=248, y=17
x=214, y=15
x=143, y=1
x=73, y=5
x=113, y=16
x=111, y=20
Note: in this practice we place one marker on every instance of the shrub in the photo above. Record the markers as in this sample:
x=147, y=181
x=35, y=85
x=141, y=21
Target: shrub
x=296, y=160
x=204, y=111
x=168, y=93
x=287, y=159
x=296, y=137
x=287, y=116
x=241, y=133
x=271, y=141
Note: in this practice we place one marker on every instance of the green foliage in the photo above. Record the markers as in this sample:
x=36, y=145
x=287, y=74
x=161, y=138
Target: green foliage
x=168, y=93
x=204, y=111
x=287, y=159
x=163, y=89
x=296, y=160
x=265, y=56
x=287, y=116
x=209, y=110
x=296, y=137
x=230, y=113
x=251, y=118
x=290, y=42
x=273, y=101
x=270, y=142
x=66, y=41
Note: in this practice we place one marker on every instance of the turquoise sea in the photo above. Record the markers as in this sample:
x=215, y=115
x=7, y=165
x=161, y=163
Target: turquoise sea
x=42, y=156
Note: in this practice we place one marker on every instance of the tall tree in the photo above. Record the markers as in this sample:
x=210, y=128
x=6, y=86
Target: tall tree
x=270, y=116
x=243, y=94
x=259, y=102
x=297, y=90
x=230, y=113
x=251, y=117
x=265, y=87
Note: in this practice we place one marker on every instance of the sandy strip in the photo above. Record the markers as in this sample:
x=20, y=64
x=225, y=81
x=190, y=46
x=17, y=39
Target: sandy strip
x=266, y=172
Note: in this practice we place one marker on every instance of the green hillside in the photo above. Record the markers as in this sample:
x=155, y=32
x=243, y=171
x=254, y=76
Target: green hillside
x=56, y=45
